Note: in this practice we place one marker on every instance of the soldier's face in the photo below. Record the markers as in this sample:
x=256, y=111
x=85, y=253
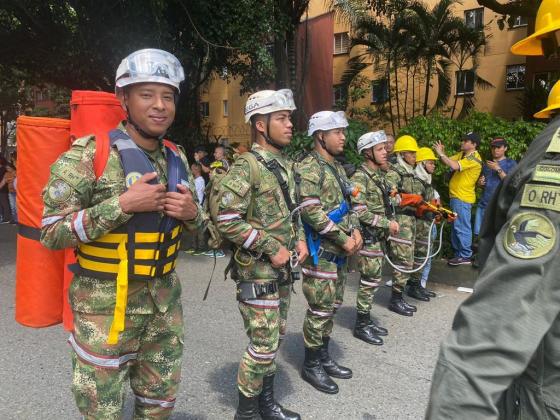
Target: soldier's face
x=390, y=145
x=334, y=140
x=280, y=127
x=430, y=166
x=410, y=158
x=151, y=106
x=380, y=154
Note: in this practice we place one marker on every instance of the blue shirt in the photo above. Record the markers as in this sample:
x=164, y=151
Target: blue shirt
x=493, y=179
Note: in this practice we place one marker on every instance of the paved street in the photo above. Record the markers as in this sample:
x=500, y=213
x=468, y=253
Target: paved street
x=390, y=382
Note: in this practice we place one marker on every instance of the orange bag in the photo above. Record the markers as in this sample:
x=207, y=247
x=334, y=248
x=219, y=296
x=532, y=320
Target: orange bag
x=96, y=113
x=39, y=271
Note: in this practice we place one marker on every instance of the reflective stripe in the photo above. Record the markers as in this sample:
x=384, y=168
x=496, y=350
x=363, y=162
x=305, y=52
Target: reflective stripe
x=257, y=355
x=249, y=241
x=322, y=314
x=310, y=202
x=400, y=241
x=263, y=303
x=359, y=207
x=337, y=305
x=329, y=275
x=366, y=253
x=403, y=267
x=228, y=216
x=375, y=220
x=102, y=361
x=50, y=220
x=151, y=401
x=78, y=224
x=374, y=283
x=328, y=228
x=422, y=242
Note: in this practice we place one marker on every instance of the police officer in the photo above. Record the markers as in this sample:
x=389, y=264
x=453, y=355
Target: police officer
x=332, y=234
x=258, y=220
x=374, y=209
x=501, y=358
x=401, y=179
x=126, y=227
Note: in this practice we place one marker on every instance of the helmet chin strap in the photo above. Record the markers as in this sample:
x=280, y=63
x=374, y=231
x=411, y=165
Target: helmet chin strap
x=267, y=138
x=324, y=146
x=372, y=158
x=140, y=130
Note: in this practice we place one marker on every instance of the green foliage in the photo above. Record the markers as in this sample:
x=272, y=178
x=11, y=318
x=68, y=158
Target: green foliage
x=428, y=130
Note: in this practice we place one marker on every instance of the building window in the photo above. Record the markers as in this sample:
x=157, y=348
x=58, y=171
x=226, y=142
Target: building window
x=474, y=18
x=520, y=21
x=339, y=95
x=515, y=77
x=464, y=80
x=379, y=91
x=545, y=80
x=204, y=109
x=225, y=107
x=341, y=43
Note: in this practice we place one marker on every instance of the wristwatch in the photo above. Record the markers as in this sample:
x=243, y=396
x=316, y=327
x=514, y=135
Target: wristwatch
x=500, y=170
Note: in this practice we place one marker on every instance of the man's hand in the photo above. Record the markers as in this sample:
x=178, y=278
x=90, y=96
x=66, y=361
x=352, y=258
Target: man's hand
x=393, y=227
x=358, y=238
x=180, y=205
x=492, y=165
x=281, y=258
x=439, y=148
x=142, y=196
x=349, y=246
x=301, y=249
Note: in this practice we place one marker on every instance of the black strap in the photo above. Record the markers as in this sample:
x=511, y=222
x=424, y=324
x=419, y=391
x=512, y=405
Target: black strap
x=29, y=232
x=273, y=166
x=389, y=208
x=339, y=180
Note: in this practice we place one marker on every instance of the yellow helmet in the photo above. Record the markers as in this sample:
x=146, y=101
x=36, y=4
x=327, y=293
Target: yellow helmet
x=425, y=153
x=548, y=20
x=553, y=102
x=406, y=143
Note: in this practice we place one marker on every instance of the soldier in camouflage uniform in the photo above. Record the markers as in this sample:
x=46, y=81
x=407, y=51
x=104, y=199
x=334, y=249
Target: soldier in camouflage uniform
x=88, y=213
x=324, y=188
x=425, y=167
x=402, y=180
x=258, y=220
x=373, y=207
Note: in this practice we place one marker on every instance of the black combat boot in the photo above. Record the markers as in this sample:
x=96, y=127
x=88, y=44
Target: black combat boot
x=314, y=373
x=398, y=305
x=331, y=367
x=411, y=308
x=248, y=408
x=427, y=292
x=270, y=409
x=377, y=329
x=363, y=330
x=413, y=290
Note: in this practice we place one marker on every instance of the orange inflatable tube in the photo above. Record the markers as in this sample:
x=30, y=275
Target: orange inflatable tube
x=39, y=271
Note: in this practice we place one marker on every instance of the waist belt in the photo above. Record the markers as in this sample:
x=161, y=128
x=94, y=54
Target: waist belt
x=331, y=257
x=248, y=291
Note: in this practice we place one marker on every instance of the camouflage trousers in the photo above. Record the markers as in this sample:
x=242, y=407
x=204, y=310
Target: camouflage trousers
x=323, y=287
x=284, y=291
x=370, y=264
x=402, y=250
x=148, y=354
x=421, y=247
x=261, y=318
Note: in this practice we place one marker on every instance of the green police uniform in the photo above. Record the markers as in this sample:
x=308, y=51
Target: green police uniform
x=323, y=284
x=79, y=209
x=502, y=357
x=255, y=240
x=402, y=245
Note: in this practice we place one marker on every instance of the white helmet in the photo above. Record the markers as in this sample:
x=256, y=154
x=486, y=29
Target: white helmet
x=371, y=139
x=269, y=101
x=326, y=120
x=150, y=65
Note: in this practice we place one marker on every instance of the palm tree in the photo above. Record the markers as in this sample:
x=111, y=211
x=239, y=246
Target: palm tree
x=435, y=33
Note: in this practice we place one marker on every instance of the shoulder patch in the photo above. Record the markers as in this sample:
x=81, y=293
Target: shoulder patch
x=554, y=145
x=59, y=191
x=237, y=185
x=541, y=196
x=529, y=235
x=547, y=173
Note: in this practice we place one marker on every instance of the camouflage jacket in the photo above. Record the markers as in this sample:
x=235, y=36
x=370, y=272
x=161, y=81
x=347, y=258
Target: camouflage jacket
x=73, y=187
x=398, y=178
x=370, y=204
x=319, y=194
x=270, y=226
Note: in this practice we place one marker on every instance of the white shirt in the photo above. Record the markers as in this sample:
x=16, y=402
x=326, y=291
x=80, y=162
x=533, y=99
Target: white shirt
x=199, y=185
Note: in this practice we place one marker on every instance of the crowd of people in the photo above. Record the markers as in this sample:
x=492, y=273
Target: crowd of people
x=8, y=185
x=284, y=220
